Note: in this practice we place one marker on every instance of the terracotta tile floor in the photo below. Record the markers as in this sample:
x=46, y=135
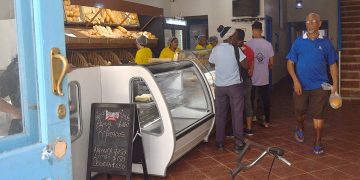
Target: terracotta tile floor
x=341, y=139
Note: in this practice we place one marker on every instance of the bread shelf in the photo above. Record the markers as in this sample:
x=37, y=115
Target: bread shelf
x=103, y=43
x=80, y=41
x=85, y=24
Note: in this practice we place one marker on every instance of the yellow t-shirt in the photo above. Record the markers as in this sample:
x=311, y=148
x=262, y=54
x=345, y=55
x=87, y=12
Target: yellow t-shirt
x=168, y=53
x=198, y=47
x=209, y=46
x=143, y=55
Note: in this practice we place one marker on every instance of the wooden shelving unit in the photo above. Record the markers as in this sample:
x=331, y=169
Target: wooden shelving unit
x=82, y=42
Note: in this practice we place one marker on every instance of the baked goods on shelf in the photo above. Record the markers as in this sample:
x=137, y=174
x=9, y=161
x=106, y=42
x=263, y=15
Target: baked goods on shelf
x=72, y=12
x=93, y=15
x=95, y=59
x=133, y=19
x=125, y=56
x=119, y=32
x=90, y=58
x=88, y=14
x=144, y=98
x=77, y=59
x=108, y=16
x=110, y=57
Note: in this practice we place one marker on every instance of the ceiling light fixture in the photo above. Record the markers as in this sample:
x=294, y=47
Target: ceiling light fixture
x=299, y=4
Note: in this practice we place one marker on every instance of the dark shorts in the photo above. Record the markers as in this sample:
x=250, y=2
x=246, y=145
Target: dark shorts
x=311, y=100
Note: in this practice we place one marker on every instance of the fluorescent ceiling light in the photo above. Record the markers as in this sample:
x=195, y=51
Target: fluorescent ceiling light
x=173, y=21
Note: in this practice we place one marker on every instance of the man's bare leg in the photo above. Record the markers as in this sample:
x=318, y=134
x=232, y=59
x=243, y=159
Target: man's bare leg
x=318, y=126
x=299, y=133
x=249, y=122
x=300, y=122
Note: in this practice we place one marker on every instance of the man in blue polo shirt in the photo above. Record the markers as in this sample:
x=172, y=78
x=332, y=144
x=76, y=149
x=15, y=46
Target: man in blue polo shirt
x=310, y=55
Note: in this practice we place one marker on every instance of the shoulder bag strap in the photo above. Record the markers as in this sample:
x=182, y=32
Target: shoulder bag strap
x=237, y=58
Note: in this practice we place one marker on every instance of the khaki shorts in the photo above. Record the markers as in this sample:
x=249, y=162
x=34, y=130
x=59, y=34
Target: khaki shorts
x=311, y=100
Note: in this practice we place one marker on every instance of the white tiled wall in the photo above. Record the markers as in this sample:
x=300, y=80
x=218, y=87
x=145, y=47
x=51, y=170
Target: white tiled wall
x=8, y=45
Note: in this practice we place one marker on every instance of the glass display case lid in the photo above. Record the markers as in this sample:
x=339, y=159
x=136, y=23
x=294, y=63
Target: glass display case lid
x=162, y=67
x=199, y=57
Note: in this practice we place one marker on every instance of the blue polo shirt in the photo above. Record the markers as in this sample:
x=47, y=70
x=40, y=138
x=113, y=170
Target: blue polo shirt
x=311, y=58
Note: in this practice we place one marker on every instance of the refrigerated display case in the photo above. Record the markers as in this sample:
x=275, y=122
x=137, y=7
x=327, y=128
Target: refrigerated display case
x=201, y=59
x=175, y=107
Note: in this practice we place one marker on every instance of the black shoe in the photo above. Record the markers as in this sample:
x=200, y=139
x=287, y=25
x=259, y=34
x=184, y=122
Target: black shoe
x=248, y=132
x=220, y=146
x=239, y=148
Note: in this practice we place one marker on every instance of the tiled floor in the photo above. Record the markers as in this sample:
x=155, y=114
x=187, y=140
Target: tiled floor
x=341, y=139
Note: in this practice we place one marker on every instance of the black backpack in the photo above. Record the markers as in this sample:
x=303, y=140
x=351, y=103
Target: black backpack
x=243, y=72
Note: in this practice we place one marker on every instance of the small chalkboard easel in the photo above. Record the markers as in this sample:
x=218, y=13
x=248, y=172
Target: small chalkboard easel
x=111, y=140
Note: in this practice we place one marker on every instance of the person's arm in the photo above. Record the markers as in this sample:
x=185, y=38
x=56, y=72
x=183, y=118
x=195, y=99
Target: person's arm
x=334, y=75
x=8, y=108
x=244, y=63
x=291, y=70
x=271, y=54
x=251, y=69
x=271, y=62
x=332, y=57
x=212, y=58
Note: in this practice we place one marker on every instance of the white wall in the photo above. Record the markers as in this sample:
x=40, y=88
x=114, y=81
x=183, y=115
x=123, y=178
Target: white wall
x=327, y=9
x=8, y=45
x=165, y=4
x=219, y=13
x=7, y=9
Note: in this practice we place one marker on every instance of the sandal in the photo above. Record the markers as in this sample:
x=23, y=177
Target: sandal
x=299, y=135
x=265, y=125
x=318, y=150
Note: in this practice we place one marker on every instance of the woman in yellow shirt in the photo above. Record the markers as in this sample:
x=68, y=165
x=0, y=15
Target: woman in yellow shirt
x=201, y=42
x=143, y=53
x=169, y=52
x=213, y=41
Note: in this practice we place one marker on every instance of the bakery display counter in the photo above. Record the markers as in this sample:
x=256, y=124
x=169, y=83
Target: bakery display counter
x=175, y=108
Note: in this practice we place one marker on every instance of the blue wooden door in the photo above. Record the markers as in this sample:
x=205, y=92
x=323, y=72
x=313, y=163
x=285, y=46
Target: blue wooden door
x=34, y=123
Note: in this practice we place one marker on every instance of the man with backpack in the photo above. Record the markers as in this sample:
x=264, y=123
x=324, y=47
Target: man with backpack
x=229, y=90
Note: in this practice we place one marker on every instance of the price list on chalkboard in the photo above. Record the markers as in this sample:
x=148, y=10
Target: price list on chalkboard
x=111, y=136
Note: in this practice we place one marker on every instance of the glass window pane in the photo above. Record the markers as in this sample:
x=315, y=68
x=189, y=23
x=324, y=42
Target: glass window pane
x=10, y=101
x=75, y=112
x=149, y=117
x=167, y=36
x=185, y=94
x=179, y=36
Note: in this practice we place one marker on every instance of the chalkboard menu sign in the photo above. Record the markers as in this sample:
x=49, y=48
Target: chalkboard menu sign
x=111, y=138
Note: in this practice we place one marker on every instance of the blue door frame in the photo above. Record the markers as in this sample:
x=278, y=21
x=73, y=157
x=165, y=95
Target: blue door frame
x=30, y=155
x=268, y=36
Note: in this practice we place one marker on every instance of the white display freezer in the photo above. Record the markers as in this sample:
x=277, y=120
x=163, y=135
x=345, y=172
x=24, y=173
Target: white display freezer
x=174, y=101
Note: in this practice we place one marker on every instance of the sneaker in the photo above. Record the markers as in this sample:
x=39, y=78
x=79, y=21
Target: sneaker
x=248, y=132
x=299, y=135
x=265, y=125
x=239, y=148
x=220, y=146
x=318, y=150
